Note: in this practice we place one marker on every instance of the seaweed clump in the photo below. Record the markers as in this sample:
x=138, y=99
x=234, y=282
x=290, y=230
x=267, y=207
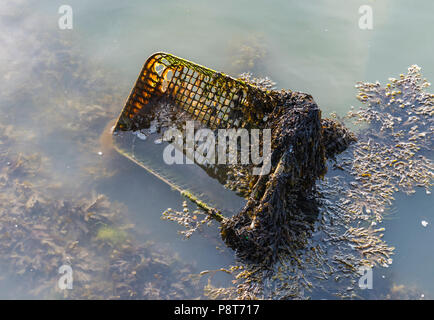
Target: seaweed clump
x=280, y=202
x=270, y=222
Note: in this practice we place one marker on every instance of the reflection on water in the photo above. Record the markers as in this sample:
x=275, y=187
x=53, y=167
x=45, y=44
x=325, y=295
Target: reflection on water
x=59, y=186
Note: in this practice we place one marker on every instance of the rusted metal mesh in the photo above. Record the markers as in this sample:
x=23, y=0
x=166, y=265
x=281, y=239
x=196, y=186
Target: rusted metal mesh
x=211, y=97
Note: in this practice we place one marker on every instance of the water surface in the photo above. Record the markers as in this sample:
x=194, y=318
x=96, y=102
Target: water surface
x=52, y=79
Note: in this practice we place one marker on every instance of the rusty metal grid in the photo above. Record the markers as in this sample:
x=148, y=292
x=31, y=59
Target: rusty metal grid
x=215, y=99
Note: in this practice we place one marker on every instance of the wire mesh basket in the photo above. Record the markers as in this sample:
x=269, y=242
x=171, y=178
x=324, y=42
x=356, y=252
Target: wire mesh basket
x=212, y=98
x=215, y=99
x=265, y=210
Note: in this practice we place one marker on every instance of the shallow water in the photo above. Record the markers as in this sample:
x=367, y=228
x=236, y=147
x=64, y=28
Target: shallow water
x=313, y=47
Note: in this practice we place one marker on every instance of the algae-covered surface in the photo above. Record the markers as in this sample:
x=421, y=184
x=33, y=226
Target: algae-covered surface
x=67, y=198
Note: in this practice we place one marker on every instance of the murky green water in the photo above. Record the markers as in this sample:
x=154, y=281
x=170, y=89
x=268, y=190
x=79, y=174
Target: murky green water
x=60, y=88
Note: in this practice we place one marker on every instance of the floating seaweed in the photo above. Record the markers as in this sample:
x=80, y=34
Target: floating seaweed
x=392, y=154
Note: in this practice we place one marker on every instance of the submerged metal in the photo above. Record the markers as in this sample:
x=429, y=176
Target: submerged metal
x=171, y=91
x=187, y=91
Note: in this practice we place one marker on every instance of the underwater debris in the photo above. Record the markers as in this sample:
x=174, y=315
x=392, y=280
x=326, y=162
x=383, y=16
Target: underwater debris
x=171, y=90
x=351, y=200
x=280, y=203
x=297, y=160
